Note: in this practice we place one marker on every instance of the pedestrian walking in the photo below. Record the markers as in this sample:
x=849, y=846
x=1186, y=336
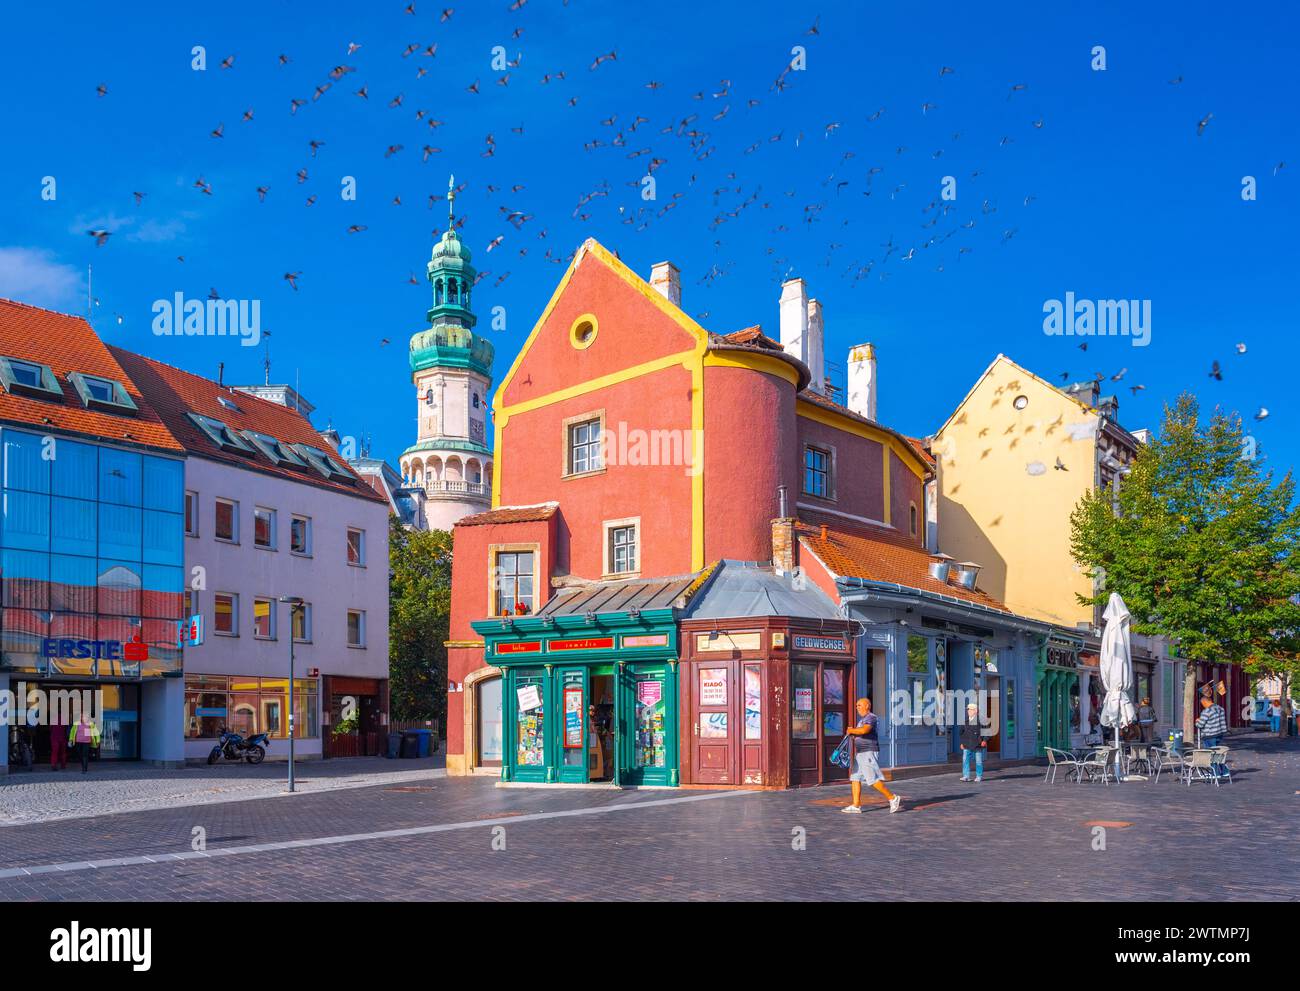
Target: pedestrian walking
x=973, y=743
x=866, y=759
x=1147, y=720
x=58, y=742
x=85, y=734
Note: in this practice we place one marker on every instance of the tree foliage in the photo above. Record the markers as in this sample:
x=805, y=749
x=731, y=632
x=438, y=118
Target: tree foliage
x=1201, y=543
x=419, y=603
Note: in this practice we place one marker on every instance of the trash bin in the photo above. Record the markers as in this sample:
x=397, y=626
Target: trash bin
x=410, y=744
x=425, y=737
x=394, y=745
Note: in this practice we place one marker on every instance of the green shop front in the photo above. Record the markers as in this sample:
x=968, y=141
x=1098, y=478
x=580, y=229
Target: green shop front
x=590, y=696
x=1058, y=707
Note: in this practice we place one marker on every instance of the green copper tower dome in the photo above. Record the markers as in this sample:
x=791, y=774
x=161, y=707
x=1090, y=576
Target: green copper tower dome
x=450, y=341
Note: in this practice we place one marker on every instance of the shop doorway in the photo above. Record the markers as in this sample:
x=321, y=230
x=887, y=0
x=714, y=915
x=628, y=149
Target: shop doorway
x=600, y=727
x=573, y=714
x=993, y=685
x=820, y=696
x=488, y=739
x=713, y=736
x=119, y=708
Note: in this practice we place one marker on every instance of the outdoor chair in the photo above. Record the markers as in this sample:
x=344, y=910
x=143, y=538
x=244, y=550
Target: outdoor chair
x=1140, y=757
x=1060, y=758
x=1221, y=763
x=1162, y=758
x=1097, y=765
x=1199, y=766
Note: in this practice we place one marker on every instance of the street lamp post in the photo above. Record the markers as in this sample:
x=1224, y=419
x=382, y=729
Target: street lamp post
x=294, y=602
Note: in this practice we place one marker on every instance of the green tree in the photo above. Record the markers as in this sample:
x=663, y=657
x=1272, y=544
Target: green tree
x=419, y=607
x=1200, y=542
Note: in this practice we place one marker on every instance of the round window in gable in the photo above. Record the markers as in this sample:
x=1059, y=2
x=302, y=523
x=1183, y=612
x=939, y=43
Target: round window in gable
x=1020, y=402
x=583, y=332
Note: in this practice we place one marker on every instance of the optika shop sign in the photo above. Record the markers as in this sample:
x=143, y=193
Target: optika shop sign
x=77, y=945
x=181, y=317
x=1073, y=317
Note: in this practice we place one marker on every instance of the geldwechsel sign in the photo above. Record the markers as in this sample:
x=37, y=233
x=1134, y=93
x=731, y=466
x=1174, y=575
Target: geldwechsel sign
x=563, y=665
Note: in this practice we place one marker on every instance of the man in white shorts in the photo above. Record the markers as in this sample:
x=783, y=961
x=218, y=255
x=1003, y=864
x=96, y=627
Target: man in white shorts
x=866, y=760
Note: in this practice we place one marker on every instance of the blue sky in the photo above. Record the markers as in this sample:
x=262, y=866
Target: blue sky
x=1125, y=198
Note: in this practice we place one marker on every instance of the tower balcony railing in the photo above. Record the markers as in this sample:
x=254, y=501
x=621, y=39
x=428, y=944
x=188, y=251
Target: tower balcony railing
x=446, y=486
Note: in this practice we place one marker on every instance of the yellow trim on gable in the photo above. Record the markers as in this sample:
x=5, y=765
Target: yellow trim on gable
x=684, y=358
x=906, y=453
x=885, y=516
x=754, y=362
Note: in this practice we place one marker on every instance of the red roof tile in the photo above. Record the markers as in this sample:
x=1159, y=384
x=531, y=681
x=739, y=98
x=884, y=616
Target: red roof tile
x=68, y=344
x=861, y=550
x=511, y=514
x=175, y=393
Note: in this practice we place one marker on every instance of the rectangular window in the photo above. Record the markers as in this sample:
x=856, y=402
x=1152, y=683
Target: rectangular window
x=356, y=547
x=300, y=535
x=264, y=619
x=302, y=622
x=816, y=472
x=225, y=618
x=264, y=527
x=514, y=583
x=192, y=514
x=622, y=549
x=356, y=628
x=227, y=521
x=584, y=447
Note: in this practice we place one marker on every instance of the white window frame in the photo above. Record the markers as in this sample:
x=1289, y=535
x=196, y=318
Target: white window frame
x=234, y=614
x=607, y=552
x=361, y=628
x=307, y=533
x=301, y=609
x=361, y=547
x=274, y=542
x=271, y=635
x=194, y=507
x=569, y=425
x=234, y=504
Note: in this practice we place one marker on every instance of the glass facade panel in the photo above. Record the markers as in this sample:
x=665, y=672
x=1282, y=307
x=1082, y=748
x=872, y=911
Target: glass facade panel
x=119, y=477
x=25, y=467
x=119, y=588
x=74, y=526
x=163, y=536
x=26, y=579
x=164, y=484
x=72, y=583
x=76, y=470
x=120, y=532
x=26, y=524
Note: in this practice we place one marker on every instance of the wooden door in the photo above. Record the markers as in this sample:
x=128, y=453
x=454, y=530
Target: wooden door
x=836, y=705
x=715, y=732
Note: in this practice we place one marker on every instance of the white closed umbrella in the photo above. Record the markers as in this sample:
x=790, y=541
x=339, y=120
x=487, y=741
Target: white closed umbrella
x=1117, y=670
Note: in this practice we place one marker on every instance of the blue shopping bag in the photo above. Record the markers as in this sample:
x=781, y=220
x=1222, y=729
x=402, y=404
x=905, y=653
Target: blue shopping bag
x=843, y=754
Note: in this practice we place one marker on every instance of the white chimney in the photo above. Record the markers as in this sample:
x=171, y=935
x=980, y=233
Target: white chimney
x=816, y=338
x=862, y=380
x=665, y=278
x=796, y=332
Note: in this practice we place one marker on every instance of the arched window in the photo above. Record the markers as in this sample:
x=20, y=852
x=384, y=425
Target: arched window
x=428, y=396
x=451, y=291
x=437, y=293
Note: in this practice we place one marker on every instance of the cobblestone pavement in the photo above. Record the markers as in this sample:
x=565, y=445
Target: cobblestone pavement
x=45, y=795
x=1013, y=837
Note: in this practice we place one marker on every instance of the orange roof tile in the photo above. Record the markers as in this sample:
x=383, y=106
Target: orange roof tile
x=69, y=344
x=175, y=393
x=861, y=550
x=511, y=514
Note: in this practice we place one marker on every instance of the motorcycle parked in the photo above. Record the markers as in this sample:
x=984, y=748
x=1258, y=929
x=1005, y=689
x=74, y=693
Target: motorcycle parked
x=234, y=747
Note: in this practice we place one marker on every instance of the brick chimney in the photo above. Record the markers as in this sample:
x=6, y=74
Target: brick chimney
x=667, y=280
x=785, y=546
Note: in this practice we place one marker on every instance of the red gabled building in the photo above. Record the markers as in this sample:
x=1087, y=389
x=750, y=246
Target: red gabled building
x=635, y=450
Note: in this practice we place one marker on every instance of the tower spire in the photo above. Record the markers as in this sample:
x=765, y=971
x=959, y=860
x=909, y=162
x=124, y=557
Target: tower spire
x=451, y=202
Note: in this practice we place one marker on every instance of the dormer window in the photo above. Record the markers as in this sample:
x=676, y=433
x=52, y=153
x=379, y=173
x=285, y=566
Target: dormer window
x=96, y=391
x=220, y=434
x=29, y=378
x=229, y=404
x=323, y=463
x=277, y=451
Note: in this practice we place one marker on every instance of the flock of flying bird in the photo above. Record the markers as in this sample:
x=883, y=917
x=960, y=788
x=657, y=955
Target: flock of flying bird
x=696, y=134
